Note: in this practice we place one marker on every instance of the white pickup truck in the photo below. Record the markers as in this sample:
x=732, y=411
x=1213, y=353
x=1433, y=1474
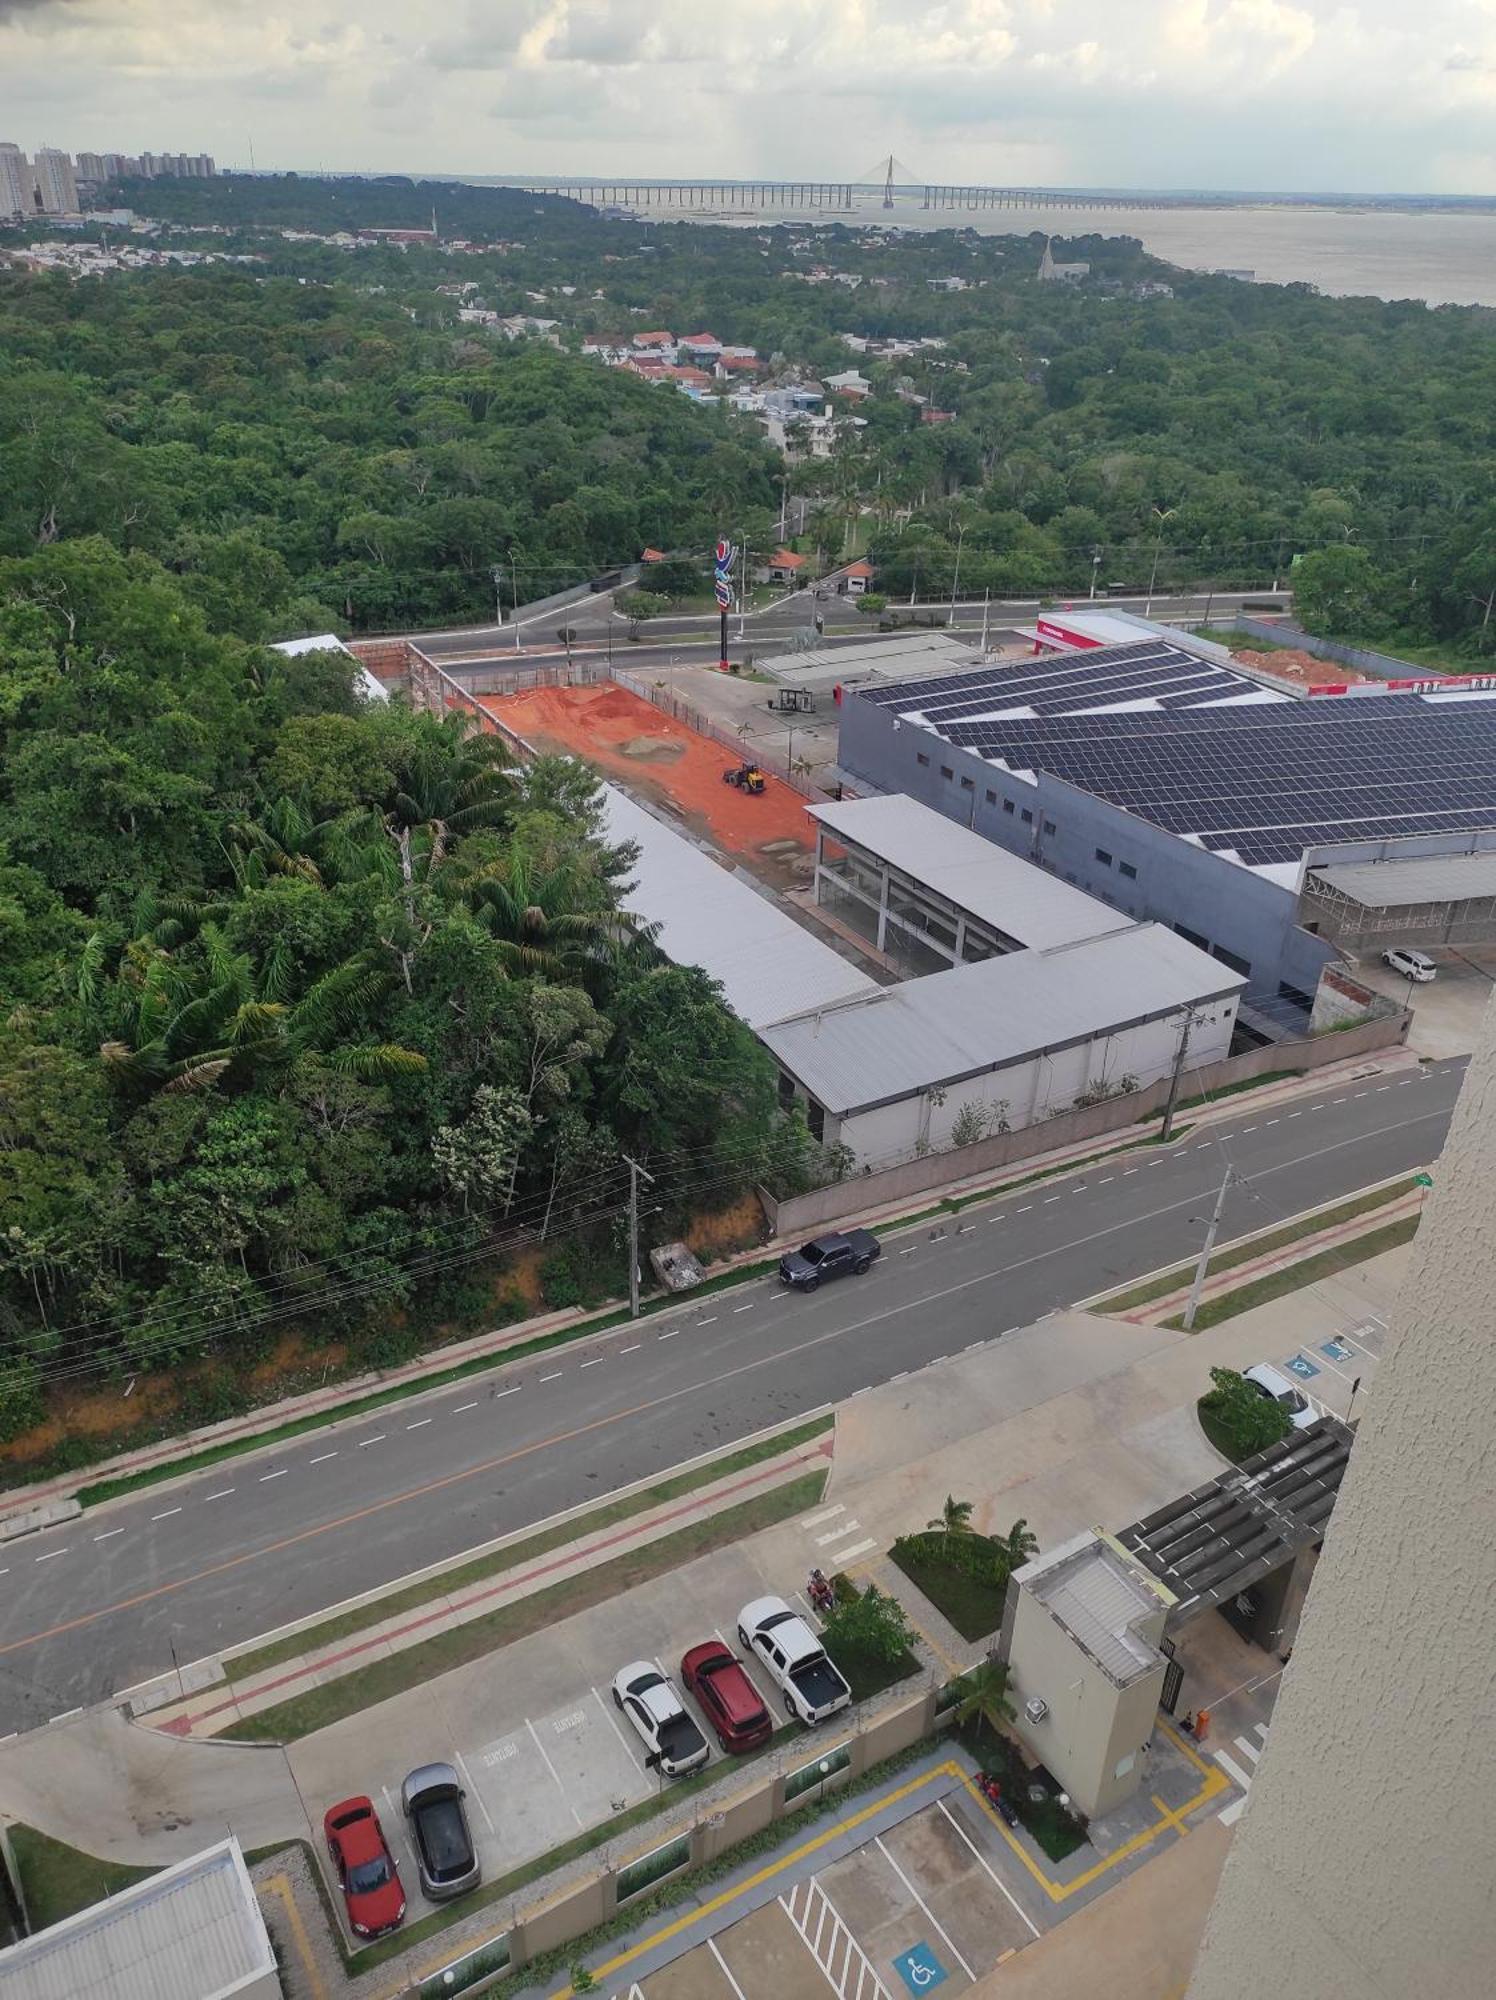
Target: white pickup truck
x=812, y=1687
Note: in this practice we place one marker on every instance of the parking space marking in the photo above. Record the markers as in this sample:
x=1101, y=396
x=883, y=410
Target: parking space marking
x=473, y=1791
x=987, y=1866
x=949, y=1940
x=552, y=1769
x=612, y=1721
x=808, y=1908
x=711, y=1945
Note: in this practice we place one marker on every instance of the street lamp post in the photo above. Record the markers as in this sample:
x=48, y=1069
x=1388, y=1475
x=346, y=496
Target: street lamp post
x=1160, y=514
x=1095, y=567
x=956, y=572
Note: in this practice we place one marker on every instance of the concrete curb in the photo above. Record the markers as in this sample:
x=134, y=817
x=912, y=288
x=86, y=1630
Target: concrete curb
x=31, y=1520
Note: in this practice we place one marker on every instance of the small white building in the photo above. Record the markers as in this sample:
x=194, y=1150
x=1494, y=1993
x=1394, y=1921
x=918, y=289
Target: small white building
x=850, y=382
x=1006, y=1042
x=190, y=1932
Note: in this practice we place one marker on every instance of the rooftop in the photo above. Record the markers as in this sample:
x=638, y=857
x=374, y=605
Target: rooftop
x=191, y=1932
x=1424, y=878
x=895, y=1041
x=1102, y=1600
x=707, y=916
x=890, y=657
x=1208, y=754
x=369, y=685
x=1002, y=889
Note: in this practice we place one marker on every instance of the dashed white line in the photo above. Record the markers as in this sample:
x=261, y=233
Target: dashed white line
x=464, y=1406
x=1246, y=1129
x=1106, y=1180
x=1337, y=1100
x=631, y=1350
x=108, y=1535
x=596, y=1361
x=364, y=1443
x=49, y=1556
x=495, y=1395
x=419, y=1424
x=322, y=1458
x=1274, y=1121
x=285, y=1469
x=1295, y=1114
x=1049, y=1198
x=914, y=1246
x=1024, y=1210
x=167, y=1515
x=554, y=1377
x=1128, y=1172
x=224, y=1491
x=745, y=1309
x=710, y=1320
x=675, y=1330
x=1380, y=1088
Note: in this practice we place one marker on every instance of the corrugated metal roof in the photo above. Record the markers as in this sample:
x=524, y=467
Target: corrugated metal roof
x=1093, y=1596
x=975, y=874
x=897, y=656
x=905, y=1039
x=192, y=1932
x=1427, y=878
x=767, y=964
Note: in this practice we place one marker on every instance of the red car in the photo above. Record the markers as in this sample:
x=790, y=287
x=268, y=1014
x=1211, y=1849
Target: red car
x=366, y=1869
x=732, y=1704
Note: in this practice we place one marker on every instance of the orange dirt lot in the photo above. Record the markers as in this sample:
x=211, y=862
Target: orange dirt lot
x=663, y=760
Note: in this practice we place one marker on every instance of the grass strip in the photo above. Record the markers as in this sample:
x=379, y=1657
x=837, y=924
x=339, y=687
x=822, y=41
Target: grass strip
x=416, y=1664
x=57, y=1880
x=972, y=1605
x=378, y=1399
x=1309, y=1272
x=1233, y=1089
x=244, y=1666
x=1258, y=1246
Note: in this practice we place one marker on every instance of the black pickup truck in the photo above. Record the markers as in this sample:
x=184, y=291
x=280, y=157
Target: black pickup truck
x=828, y=1257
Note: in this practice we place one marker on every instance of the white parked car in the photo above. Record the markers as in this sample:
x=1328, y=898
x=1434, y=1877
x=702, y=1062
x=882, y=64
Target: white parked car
x=1275, y=1386
x=811, y=1684
x=1414, y=965
x=649, y=1700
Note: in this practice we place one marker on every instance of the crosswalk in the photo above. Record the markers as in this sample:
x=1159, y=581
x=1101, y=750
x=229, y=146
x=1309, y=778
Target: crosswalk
x=1241, y=1772
x=847, y=1967
x=829, y=1529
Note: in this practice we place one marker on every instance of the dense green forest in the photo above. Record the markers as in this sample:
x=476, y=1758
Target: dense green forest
x=1215, y=434
x=307, y=1004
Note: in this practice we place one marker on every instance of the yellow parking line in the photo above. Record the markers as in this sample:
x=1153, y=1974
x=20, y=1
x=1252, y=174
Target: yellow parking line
x=767, y=1874
x=279, y=1886
x=1170, y=1815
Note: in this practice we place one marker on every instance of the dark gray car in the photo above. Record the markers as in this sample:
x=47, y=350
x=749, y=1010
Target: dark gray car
x=432, y=1799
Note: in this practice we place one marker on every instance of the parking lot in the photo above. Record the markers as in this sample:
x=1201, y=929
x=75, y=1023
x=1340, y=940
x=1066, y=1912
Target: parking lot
x=550, y=1755
x=921, y=1905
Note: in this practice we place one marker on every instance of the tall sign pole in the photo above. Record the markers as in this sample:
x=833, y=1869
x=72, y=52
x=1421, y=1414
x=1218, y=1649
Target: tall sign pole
x=722, y=585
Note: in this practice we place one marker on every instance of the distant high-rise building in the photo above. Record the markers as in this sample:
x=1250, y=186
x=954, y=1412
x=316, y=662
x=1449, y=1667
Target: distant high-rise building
x=90, y=167
x=56, y=187
x=118, y=165
x=16, y=197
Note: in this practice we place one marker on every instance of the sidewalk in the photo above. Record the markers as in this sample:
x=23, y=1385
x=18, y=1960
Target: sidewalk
x=333, y=1402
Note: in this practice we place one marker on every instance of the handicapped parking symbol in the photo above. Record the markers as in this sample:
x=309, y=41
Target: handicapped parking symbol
x=920, y=1970
x=1300, y=1364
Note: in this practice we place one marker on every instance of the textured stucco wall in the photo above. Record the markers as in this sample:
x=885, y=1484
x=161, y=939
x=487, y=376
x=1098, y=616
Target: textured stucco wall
x=1364, y=1864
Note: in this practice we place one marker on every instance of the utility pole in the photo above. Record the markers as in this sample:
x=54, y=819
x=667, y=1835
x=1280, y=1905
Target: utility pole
x=1205, y=1249
x=636, y=1172
x=514, y=580
x=986, y=615
x=1174, y=1081
x=956, y=573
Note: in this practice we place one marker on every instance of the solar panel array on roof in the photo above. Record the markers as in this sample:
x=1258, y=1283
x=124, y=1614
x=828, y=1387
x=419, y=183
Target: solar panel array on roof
x=1198, y=753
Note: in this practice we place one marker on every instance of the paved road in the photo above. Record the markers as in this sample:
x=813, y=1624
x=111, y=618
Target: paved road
x=100, y=1604
x=589, y=620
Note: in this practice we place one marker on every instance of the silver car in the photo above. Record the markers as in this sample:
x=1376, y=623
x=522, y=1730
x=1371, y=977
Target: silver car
x=432, y=1801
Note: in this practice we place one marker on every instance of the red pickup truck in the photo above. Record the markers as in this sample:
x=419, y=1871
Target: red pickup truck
x=729, y=1700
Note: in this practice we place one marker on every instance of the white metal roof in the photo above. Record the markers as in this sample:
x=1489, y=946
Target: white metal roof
x=902, y=1040
x=192, y=1932
x=1424, y=878
x=887, y=656
x=975, y=874
x=767, y=964
x=1095, y=1596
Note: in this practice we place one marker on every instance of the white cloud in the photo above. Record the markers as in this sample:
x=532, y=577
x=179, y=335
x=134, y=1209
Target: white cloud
x=1263, y=93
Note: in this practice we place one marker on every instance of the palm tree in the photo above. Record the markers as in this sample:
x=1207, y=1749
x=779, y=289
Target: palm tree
x=1018, y=1546
x=953, y=1520
x=207, y=1017
x=985, y=1696
x=530, y=910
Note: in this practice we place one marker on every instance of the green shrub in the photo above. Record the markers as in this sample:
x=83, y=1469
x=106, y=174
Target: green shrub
x=1238, y=1419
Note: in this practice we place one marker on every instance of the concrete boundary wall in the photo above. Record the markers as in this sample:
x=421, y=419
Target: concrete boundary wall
x=802, y=1215
x=1381, y=666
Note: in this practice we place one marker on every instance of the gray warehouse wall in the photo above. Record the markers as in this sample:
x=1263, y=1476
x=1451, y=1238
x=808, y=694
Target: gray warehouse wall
x=1236, y=911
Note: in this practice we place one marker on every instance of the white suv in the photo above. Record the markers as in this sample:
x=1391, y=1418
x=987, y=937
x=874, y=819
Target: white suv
x=1414, y=965
x=1275, y=1386
x=650, y=1702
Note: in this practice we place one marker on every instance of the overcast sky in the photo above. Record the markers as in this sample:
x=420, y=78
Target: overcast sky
x=1369, y=95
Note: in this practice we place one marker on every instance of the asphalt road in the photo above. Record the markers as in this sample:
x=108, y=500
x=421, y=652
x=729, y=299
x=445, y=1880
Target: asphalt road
x=103, y=1602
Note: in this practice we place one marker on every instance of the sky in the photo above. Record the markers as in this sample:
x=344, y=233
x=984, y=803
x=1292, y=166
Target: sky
x=1324, y=95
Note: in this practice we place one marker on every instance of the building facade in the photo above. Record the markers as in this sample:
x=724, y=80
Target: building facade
x=56, y=187
x=16, y=196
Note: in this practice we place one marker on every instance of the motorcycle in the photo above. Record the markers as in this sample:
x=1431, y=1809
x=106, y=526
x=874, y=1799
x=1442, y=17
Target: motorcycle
x=992, y=1791
x=821, y=1592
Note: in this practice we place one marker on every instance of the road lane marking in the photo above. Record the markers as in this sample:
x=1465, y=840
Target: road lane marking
x=857, y=1549
x=222, y=1493
x=1106, y=1180
x=108, y=1534
x=674, y=1331
x=1127, y=1172
x=464, y=1406
x=710, y=1320
x=321, y=1458
x=837, y=1534
x=495, y=1394
x=1024, y=1210
x=48, y=1557
x=277, y=1475
x=776, y=1359
x=167, y=1515
x=747, y=1308
x=631, y=1350
x=364, y=1443
x=419, y=1424
x=825, y=1514
x=596, y=1361
x=556, y=1377
x=1049, y=1198
x=1246, y=1129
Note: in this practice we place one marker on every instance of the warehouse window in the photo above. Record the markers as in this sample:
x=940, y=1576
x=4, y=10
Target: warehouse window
x=946, y=771
x=1028, y=817
x=921, y=758
x=1125, y=868
x=1103, y=857
x=1193, y=937
x=1233, y=959
x=1049, y=826
x=1007, y=805
x=968, y=784
x=815, y=1118
x=991, y=798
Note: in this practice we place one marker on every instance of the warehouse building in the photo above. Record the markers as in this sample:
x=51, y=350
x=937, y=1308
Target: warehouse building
x=1004, y=1043
x=1422, y=900
x=1178, y=788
